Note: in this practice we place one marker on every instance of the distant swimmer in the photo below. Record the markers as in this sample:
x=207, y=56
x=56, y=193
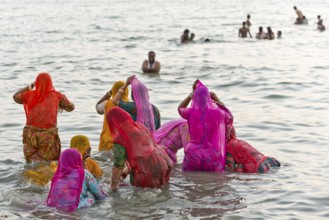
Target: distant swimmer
x=300, y=17
x=185, y=37
x=270, y=34
x=279, y=35
x=261, y=35
x=151, y=65
x=191, y=38
x=248, y=23
x=244, y=31
x=321, y=27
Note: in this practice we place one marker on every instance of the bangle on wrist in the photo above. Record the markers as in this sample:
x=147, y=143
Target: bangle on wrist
x=121, y=91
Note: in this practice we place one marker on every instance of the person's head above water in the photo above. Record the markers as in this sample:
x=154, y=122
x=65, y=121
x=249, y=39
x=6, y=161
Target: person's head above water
x=151, y=56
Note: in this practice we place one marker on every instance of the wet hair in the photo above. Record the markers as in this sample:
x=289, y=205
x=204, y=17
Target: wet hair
x=248, y=16
x=151, y=52
x=295, y=7
x=279, y=33
x=244, y=23
x=207, y=40
x=186, y=31
x=319, y=16
x=260, y=29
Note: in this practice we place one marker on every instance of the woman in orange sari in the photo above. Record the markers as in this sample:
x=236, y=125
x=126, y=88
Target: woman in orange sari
x=40, y=134
x=103, y=106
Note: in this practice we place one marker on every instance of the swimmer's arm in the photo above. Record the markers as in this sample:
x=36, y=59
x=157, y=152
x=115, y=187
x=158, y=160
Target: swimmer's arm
x=157, y=67
x=144, y=67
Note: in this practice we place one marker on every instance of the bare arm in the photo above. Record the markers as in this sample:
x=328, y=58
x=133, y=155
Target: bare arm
x=187, y=100
x=104, y=98
x=214, y=97
x=249, y=33
x=157, y=67
x=144, y=67
x=26, y=88
x=119, y=94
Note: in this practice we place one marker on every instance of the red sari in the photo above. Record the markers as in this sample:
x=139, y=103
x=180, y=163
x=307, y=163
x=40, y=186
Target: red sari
x=150, y=165
x=40, y=135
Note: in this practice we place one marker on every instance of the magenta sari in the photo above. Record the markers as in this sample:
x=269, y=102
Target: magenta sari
x=145, y=114
x=207, y=125
x=172, y=136
x=67, y=182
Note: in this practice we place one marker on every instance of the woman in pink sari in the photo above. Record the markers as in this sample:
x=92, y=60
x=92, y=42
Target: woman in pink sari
x=72, y=186
x=207, y=125
x=173, y=136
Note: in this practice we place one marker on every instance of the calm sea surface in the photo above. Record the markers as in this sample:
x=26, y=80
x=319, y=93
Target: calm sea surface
x=277, y=90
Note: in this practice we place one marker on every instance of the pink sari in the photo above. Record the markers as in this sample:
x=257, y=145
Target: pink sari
x=67, y=182
x=145, y=114
x=172, y=136
x=207, y=125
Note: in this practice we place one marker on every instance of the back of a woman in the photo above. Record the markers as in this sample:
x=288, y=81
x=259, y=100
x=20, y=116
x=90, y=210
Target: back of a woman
x=40, y=135
x=150, y=165
x=207, y=125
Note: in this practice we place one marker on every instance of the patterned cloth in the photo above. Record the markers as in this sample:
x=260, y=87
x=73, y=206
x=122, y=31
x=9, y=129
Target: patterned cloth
x=41, y=144
x=91, y=191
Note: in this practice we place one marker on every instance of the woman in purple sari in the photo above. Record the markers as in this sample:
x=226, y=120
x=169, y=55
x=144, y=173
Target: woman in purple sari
x=172, y=136
x=208, y=121
x=72, y=186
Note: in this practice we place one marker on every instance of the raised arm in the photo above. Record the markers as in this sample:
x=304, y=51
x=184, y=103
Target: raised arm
x=103, y=99
x=26, y=88
x=187, y=100
x=121, y=91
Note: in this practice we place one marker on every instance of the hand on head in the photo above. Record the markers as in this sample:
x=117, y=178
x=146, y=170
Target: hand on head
x=130, y=78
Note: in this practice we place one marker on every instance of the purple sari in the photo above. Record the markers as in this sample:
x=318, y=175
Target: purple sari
x=172, y=136
x=67, y=182
x=145, y=113
x=207, y=125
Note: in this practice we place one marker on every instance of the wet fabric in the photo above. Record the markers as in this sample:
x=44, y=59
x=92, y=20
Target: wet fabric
x=145, y=114
x=41, y=105
x=208, y=129
x=150, y=165
x=40, y=136
x=105, y=142
x=67, y=182
x=91, y=191
x=172, y=136
x=41, y=173
x=130, y=107
x=82, y=144
x=41, y=144
x=251, y=159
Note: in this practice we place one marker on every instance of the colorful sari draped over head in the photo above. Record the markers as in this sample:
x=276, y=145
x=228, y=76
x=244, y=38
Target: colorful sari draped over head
x=106, y=142
x=150, y=165
x=172, y=136
x=82, y=144
x=41, y=104
x=145, y=113
x=67, y=182
x=208, y=126
x=251, y=159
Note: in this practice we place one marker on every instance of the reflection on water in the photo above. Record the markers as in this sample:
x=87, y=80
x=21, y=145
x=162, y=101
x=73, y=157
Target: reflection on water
x=277, y=91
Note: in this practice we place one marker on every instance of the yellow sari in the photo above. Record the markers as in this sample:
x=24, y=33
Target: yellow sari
x=82, y=144
x=105, y=142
